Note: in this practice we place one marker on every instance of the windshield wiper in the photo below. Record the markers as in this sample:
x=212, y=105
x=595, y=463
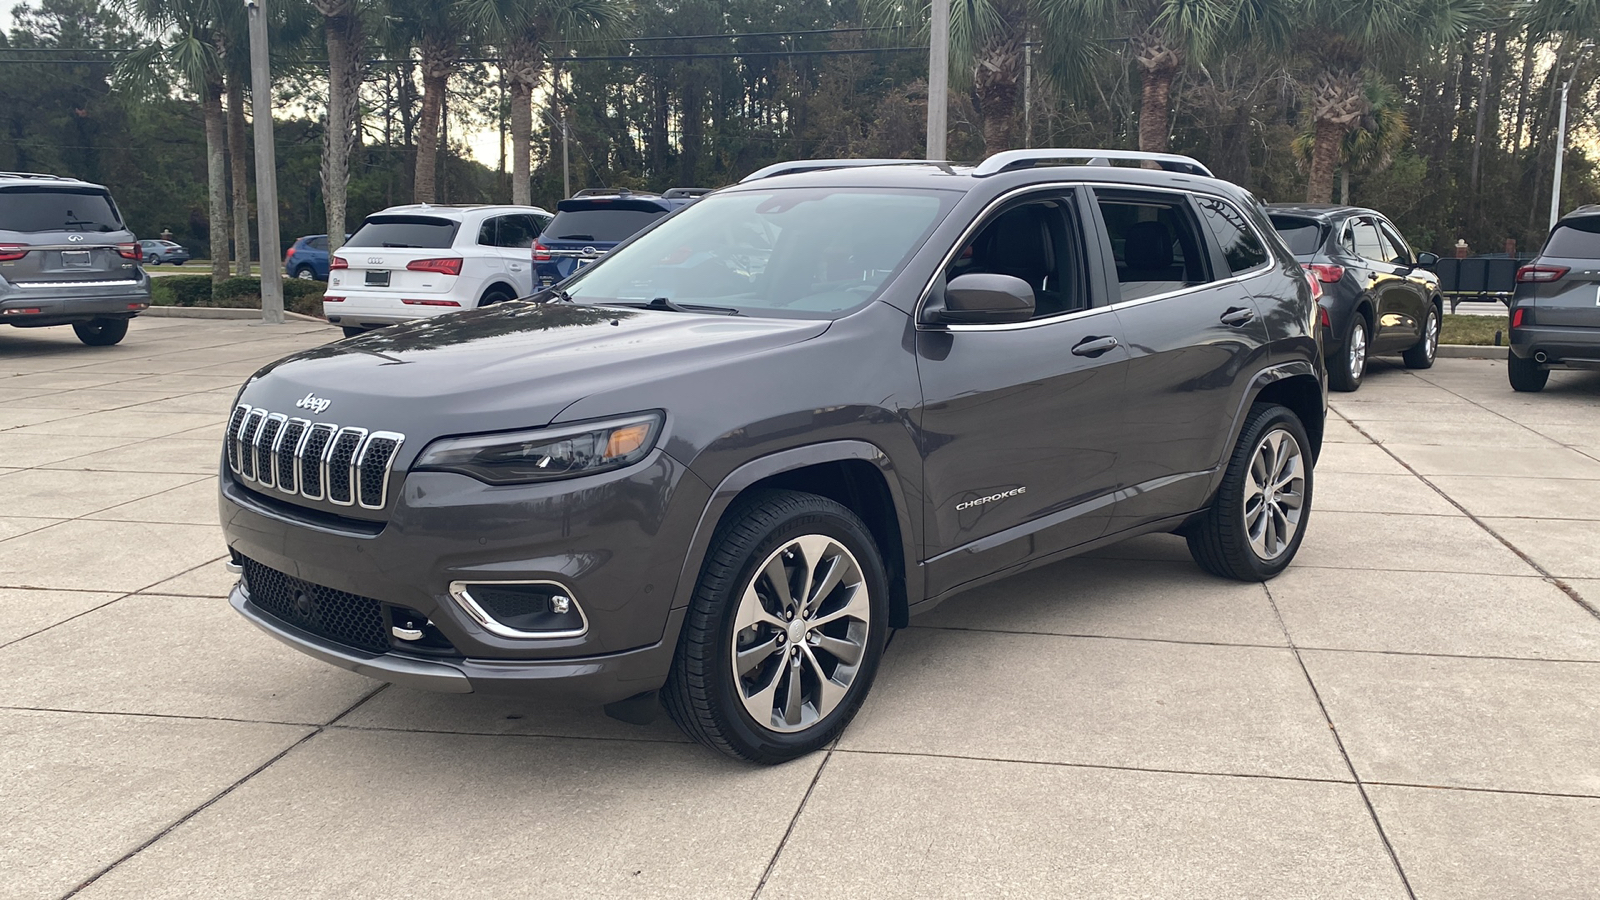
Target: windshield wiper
x=665, y=305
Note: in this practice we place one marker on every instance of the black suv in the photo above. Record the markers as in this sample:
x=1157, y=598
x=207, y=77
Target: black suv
x=1378, y=296
x=66, y=258
x=725, y=460
x=1555, y=316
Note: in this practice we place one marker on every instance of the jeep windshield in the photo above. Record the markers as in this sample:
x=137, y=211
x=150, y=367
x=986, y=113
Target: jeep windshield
x=788, y=252
x=31, y=210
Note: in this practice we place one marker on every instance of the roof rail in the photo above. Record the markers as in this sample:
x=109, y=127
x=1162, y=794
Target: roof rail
x=678, y=193
x=1022, y=159
x=35, y=175
x=612, y=192
x=816, y=165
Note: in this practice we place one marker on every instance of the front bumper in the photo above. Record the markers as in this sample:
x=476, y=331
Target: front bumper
x=38, y=306
x=1561, y=345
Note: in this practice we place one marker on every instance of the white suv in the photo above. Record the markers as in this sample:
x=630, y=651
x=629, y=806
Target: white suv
x=408, y=262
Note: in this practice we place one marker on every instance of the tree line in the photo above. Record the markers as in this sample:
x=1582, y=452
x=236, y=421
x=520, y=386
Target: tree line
x=1441, y=113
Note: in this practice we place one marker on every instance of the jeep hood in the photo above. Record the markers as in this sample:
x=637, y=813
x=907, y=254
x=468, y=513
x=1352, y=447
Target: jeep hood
x=515, y=365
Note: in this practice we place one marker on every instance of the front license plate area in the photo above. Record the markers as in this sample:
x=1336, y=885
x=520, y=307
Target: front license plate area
x=378, y=279
x=75, y=259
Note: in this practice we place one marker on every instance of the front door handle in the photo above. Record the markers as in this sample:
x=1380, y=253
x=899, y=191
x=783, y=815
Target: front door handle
x=1238, y=315
x=1094, y=346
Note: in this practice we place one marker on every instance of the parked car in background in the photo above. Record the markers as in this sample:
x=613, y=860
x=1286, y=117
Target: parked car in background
x=593, y=221
x=307, y=258
x=726, y=474
x=158, y=252
x=1377, y=296
x=408, y=262
x=66, y=258
x=1555, y=314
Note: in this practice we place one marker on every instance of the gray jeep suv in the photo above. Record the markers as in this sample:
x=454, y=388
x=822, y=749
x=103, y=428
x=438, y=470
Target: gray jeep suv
x=66, y=258
x=717, y=466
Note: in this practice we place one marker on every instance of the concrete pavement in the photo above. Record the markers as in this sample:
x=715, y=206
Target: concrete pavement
x=1410, y=710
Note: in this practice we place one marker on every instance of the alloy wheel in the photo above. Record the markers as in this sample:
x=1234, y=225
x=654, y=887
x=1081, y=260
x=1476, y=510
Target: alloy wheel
x=1274, y=500
x=1358, y=351
x=1432, y=336
x=800, y=634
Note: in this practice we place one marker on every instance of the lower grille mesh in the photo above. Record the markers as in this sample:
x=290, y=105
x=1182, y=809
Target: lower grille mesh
x=341, y=617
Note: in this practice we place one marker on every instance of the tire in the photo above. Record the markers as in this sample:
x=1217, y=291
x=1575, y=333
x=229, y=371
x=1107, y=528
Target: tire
x=102, y=332
x=1525, y=374
x=1346, y=373
x=1422, y=354
x=498, y=295
x=1222, y=540
x=151, y=260
x=352, y=331
x=792, y=533
x=305, y=273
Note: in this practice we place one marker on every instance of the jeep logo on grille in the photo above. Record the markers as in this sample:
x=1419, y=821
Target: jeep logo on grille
x=316, y=404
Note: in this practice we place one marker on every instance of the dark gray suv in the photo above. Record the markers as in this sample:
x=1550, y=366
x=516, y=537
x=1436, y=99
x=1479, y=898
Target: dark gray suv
x=66, y=258
x=1555, y=315
x=720, y=464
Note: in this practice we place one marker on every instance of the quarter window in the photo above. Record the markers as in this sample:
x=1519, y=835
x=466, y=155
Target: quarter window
x=1240, y=246
x=1155, y=241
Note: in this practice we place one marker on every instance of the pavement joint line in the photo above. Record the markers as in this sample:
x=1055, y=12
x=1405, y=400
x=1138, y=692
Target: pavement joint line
x=1565, y=588
x=1497, y=412
x=519, y=735
x=1256, y=646
x=795, y=819
x=80, y=615
x=186, y=717
x=1063, y=764
x=186, y=817
x=1339, y=742
x=1484, y=790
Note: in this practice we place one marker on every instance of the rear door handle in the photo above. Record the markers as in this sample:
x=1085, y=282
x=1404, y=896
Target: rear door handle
x=1094, y=346
x=1238, y=315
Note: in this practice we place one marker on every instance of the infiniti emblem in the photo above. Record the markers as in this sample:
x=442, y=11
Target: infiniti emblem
x=75, y=238
x=316, y=404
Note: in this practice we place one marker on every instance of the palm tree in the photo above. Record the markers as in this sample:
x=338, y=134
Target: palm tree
x=233, y=47
x=438, y=31
x=186, y=44
x=346, y=45
x=1371, y=145
x=1339, y=36
x=522, y=30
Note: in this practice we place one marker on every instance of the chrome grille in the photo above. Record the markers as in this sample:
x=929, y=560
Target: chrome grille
x=319, y=461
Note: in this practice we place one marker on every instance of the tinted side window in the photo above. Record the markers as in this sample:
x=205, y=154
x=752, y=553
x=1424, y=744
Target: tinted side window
x=486, y=232
x=1365, y=242
x=1240, y=245
x=1575, y=239
x=516, y=232
x=1399, y=253
x=318, y=244
x=1036, y=241
x=1155, y=241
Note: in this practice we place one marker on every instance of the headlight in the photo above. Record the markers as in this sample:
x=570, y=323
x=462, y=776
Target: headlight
x=546, y=454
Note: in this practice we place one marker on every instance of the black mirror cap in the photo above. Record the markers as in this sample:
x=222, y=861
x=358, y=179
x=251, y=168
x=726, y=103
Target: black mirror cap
x=983, y=298
x=1426, y=260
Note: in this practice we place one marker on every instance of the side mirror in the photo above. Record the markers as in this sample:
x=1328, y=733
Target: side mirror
x=1426, y=260
x=982, y=298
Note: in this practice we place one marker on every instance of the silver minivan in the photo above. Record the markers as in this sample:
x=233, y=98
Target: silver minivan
x=67, y=258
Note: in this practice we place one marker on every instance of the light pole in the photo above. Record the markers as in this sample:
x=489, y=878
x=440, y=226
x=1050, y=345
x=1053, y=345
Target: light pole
x=266, y=164
x=1561, y=133
x=938, y=79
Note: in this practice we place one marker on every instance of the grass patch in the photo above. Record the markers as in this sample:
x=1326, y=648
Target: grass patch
x=1475, y=330
x=234, y=293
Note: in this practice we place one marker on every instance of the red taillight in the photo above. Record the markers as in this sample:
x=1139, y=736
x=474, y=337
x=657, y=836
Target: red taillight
x=1327, y=273
x=21, y=311
x=1520, y=317
x=10, y=252
x=327, y=299
x=290, y=254
x=128, y=251
x=541, y=253
x=431, y=302
x=338, y=262
x=448, y=266
x=1541, y=274
x=1316, y=286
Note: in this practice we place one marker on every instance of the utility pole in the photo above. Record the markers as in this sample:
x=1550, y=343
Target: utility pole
x=1027, y=94
x=1561, y=134
x=566, y=169
x=939, y=79
x=266, y=165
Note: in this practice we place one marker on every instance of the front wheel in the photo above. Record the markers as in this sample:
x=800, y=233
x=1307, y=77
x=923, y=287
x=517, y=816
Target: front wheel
x=101, y=332
x=1526, y=375
x=1345, y=374
x=1258, y=519
x=1422, y=354
x=785, y=631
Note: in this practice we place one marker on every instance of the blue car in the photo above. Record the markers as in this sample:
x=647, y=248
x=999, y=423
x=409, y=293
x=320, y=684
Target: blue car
x=593, y=221
x=308, y=258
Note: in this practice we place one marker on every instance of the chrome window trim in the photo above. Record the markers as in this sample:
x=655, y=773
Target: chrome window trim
x=458, y=592
x=271, y=475
x=355, y=453
x=299, y=450
x=966, y=233
x=360, y=460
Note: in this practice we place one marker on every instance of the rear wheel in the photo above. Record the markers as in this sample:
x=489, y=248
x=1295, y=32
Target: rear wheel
x=305, y=273
x=151, y=260
x=1254, y=527
x=352, y=331
x=1421, y=356
x=1345, y=373
x=785, y=631
x=498, y=295
x=101, y=332
x=1526, y=375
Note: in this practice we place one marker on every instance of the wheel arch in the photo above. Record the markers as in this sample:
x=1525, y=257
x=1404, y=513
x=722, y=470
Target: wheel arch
x=1298, y=390
x=511, y=292
x=856, y=474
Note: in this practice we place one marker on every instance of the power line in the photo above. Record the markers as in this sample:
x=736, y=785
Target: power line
x=707, y=37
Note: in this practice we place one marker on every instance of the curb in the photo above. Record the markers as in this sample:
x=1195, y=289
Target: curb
x=1470, y=351
x=218, y=312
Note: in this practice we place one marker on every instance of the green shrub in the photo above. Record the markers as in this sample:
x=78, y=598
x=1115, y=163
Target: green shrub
x=234, y=293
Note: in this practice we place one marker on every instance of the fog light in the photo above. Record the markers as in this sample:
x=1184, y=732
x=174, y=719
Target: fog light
x=522, y=609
